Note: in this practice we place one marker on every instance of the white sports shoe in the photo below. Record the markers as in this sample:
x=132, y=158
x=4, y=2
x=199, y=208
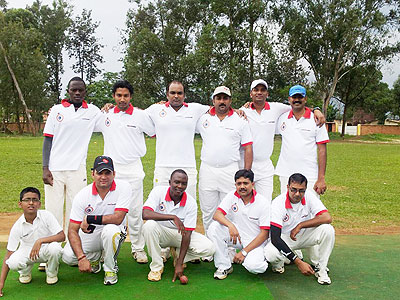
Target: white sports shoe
x=222, y=274
x=140, y=257
x=51, y=279
x=323, y=277
x=25, y=278
x=110, y=278
x=278, y=270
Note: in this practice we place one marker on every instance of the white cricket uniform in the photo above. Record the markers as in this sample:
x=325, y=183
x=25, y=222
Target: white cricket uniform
x=262, y=127
x=220, y=156
x=287, y=216
x=124, y=142
x=174, y=141
x=23, y=236
x=105, y=237
x=249, y=220
x=165, y=234
x=299, y=147
x=71, y=132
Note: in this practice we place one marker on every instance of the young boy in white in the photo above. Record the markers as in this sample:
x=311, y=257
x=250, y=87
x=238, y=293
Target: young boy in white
x=171, y=216
x=35, y=237
x=241, y=221
x=299, y=220
x=98, y=222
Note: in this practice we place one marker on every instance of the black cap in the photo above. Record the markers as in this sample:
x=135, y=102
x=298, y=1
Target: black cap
x=103, y=163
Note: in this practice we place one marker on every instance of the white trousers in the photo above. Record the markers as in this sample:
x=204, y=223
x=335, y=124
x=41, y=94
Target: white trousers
x=66, y=184
x=158, y=236
x=48, y=253
x=162, y=176
x=109, y=239
x=322, y=235
x=134, y=174
x=219, y=235
x=263, y=177
x=214, y=184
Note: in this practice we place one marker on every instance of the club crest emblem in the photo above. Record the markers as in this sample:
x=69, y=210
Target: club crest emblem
x=206, y=124
x=163, y=113
x=89, y=209
x=283, y=126
x=286, y=218
x=59, y=117
x=108, y=122
x=234, y=208
x=162, y=206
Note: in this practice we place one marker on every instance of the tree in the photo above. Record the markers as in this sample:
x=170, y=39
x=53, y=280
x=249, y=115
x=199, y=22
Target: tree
x=84, y=46
x=100, y=92
x=396, y=98
x=328, y=34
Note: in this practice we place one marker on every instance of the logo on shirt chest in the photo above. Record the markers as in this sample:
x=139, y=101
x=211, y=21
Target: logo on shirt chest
x=89, y=209
x=162, y=206
x=206, y=124
x=107, y=122
x=283, y=126
x=59, y=117
x=234, y=207
x=286, y=218
x=163, y=113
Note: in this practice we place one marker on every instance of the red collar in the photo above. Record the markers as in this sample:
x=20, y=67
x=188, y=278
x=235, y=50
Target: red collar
x=288, y=204
x=66, y=103
x=129, y=111
x=266, y=106
x=252, y=198
x=183, y=200
x=184, y=104
x=212, y=111
x=307, y=114
x=94, y=188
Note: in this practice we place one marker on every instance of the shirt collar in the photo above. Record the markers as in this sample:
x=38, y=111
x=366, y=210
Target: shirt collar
x=129, y=111
x=307, y=113
x=266, y=106
x=212, y=111
x=184, y=104
x=288, y=204
x=95, y=192
x=66, y=103
x=183, y=199
x=252, y=198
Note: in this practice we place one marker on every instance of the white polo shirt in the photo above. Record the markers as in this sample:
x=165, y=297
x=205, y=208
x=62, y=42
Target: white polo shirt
x=222, y=139
x=123, y=133
x=71, y=131
x=175, y=133
x=287, y=215
x=160, y=201
x=262, y=127
x=299, y=145
x=248, y=218
x=88, y=202
x=26, y=234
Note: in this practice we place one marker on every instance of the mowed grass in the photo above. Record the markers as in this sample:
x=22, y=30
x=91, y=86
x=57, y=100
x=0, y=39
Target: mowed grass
x=363, y=178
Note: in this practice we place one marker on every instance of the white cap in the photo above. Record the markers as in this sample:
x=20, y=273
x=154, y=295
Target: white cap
x=222, y=90
x=257, y=82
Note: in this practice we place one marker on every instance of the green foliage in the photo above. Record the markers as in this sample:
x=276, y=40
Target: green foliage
x=100, y=92
x=396, y=98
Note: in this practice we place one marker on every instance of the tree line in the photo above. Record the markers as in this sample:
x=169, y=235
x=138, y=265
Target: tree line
x=343, y=44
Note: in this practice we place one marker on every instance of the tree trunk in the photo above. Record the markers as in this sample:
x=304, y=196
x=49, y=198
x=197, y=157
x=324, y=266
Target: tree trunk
x=21, y=97
x=344, y=121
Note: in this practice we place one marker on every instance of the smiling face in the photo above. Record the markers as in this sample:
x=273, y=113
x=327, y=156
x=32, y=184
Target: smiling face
x=30, y=203
x=178, y=184
x=122, y=98
x=222, y=103
x=259, y=94
x=297, y=102
x=103, y=180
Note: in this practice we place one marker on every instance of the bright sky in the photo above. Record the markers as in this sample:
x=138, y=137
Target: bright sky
x=112, y=16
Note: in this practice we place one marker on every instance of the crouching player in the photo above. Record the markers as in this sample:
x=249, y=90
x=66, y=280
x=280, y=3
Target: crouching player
x=241, y=221
x=35, y=237
x=98, y=222
x=299, y=220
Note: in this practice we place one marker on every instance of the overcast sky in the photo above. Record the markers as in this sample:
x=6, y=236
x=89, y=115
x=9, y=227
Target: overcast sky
x=112, y=16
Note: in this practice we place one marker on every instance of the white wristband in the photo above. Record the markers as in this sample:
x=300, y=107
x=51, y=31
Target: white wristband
x=244, y=252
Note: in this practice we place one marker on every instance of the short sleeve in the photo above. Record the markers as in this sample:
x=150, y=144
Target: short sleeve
x=265, y=217
x=225, y=204
x=153, y=200
x=52, y=223
x=146, y=124
x=14, y=238
x=322, y=135
x=191, y=216
x=50, y=122
x=316, y=205
x=277, y=212
x=124, y=196
x=100, y=119
x=77, y=210
x=246, y=138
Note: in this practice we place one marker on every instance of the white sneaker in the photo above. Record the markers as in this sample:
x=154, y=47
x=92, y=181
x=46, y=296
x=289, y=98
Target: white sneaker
x=96, y=266
x=207, y=258
x=323, y=277
x=25, y=278
x=110, y=278
x=51, y=280
x=165, y=254
x=278, y=270
x=222, y=274
x=140, y=257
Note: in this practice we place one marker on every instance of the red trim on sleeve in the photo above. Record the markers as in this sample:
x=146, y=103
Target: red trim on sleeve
x=221, y=210
x=122, y=209
x=148, y=207
x=189, y=229
x=265, y=227
x=323, y=142
x=276, y=225
x=76, y=222
x=249, y=143
x=47, y=134
x=321, y=212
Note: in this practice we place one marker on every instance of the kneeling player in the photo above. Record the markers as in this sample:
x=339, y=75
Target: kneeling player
x=299, y=220
x=241, y=221
x=35, y=237
x=98, y=222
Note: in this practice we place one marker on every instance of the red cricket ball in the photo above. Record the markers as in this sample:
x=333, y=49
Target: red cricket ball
x=184, y=279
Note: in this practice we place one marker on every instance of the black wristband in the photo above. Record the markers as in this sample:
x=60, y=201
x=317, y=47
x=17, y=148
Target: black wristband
x=98, y=219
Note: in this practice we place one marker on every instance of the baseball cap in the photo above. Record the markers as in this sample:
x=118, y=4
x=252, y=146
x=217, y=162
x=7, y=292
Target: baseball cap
x=103, y=163
x=297, y=89
x=222, y=90
x=257, y=82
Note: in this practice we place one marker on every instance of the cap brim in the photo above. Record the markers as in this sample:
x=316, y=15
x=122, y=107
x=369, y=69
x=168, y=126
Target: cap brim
x=102, y=168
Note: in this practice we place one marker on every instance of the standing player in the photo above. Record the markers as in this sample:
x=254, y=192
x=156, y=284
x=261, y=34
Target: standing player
x=262, y=117
x=67, y=133
x=171, y=216
x=98, y=222
x=301, y=140
x=123, y=131
x=223, y=134
x=299, y=220
x=35, y=237
x=241, y=221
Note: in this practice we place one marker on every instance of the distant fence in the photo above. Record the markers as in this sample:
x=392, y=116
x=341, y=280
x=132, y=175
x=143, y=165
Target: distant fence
x=13, y=127
x=384, y=129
